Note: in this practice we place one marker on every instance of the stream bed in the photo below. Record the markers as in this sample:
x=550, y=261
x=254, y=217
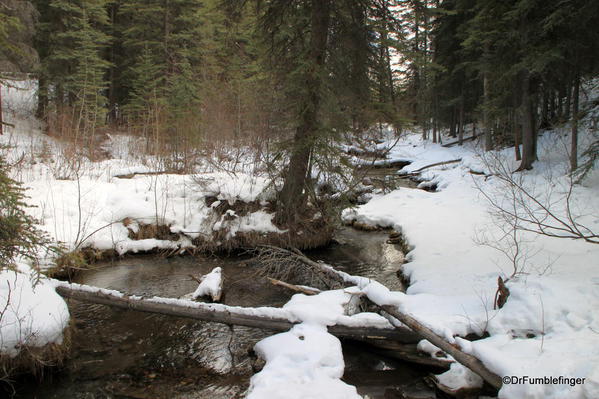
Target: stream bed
x=124, y=354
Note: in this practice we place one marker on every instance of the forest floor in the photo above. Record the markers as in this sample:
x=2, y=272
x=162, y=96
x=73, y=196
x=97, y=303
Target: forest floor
x=459, y=246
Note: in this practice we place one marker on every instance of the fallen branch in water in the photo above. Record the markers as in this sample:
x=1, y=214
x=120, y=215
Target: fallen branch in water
x=268, y=318
x=293, y=287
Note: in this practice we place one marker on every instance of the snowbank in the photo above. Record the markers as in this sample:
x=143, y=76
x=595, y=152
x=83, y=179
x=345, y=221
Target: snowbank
x=549, y=325
x=306, y=361
x=32, y=316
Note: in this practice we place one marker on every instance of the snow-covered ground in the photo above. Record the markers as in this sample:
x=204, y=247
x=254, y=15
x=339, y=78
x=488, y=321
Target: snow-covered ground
x=548, y=327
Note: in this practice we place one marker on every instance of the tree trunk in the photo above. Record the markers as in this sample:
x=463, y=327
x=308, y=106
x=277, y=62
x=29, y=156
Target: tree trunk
x=461, y=357
x=275, y=319
x=568, y=100
x=552, y=107
x=486, y=126
x=42, y=99
x=1, y=118
x=452, y=124
x=387, y=54
x=560, y=105
x=529, y=154
x=112, y=101
x=517, y=140
x=461, y=121
x=544, y=124
x=574, y=142
x=291, y=197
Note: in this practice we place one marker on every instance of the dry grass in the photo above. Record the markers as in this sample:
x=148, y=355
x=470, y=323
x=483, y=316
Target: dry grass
x=35, y=361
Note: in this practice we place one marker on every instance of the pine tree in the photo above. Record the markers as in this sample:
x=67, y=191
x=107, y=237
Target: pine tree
x=17, y=27
x=322, y=55
x=20, y=238
x=71, y=42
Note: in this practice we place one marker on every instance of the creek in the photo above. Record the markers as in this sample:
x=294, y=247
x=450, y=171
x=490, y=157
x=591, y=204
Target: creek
x=124, y=354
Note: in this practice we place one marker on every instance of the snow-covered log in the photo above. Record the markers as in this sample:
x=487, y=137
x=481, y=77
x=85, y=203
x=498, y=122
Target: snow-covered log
x=275, y=319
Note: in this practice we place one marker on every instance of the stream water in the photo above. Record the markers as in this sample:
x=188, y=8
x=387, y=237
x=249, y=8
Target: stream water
x=125, y=354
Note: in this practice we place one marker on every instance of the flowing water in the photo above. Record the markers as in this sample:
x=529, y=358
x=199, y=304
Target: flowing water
x=125, y=354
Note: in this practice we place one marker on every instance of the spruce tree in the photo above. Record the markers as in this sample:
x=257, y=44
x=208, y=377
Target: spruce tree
x=71, y=42
x=20, y=238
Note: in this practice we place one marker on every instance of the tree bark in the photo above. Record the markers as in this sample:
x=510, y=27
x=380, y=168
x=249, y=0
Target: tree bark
x=574, y=138
x=568, y=104
x=552, y=107
x=517, y=141
x=291, y=197
x=1, y=118
x=461, y=121
x=452, y=124
x=42, y=99
x=529, y=154
x=544, y=124
x=486, y=126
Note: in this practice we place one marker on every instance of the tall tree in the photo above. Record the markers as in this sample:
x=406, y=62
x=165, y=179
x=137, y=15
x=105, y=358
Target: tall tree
x=71, y=42
x=324, y=55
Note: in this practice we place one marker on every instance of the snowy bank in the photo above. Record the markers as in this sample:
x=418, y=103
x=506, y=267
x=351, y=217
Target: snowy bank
x=549, y=325
x=33, y=315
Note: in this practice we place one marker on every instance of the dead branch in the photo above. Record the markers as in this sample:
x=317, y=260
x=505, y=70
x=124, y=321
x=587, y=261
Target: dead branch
x=194, y=278
x=293, y=287
x=532, y=213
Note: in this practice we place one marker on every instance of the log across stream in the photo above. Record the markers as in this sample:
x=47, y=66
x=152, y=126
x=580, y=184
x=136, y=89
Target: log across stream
x=121, y=353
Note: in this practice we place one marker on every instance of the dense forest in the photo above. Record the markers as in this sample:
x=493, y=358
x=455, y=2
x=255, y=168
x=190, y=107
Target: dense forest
x=188, y=73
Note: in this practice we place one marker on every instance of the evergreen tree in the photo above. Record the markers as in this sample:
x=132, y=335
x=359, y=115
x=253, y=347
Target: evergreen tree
x=19, y=236
x=71, y=42
x=17, y=27
x=322, y=54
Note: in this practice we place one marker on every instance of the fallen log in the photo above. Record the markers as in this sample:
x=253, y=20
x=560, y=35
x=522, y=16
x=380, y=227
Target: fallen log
x=461, y=357
x=275, y=319
x=408, y=353
x=452, y=143
x=423, y=331
x=133, y=174
x=384, y=164
x=417, y=171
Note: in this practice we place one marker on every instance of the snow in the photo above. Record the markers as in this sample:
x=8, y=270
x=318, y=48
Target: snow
x=548, y=327
x=453, y=278
x=211, y=285
x=305, y=362
x=458, y=377
x=33, y=315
